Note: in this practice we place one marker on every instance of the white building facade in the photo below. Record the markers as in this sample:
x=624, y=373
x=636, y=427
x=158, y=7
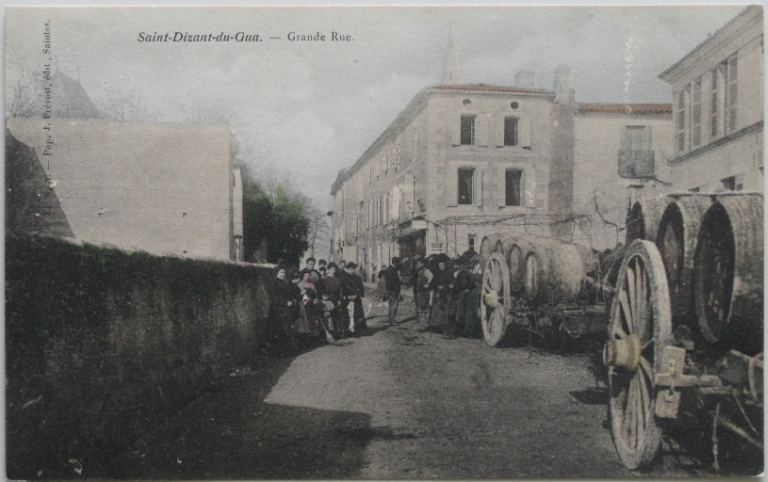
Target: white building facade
x=718, y=109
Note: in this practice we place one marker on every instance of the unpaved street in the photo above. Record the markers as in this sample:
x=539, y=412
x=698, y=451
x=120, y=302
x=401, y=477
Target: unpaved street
x=393, y=404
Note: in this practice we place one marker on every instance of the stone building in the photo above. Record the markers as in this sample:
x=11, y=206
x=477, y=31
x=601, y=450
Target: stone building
x=619, y=156
x=462, y=161
x=465, y=160
x=718, y=109
x=157, y=187
x=175, y=192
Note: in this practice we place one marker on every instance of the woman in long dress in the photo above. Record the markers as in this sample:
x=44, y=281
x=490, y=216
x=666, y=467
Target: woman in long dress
x=422, y=277
x=466, y=292
x=442, y=294
x=308, y=323
x=283, y=311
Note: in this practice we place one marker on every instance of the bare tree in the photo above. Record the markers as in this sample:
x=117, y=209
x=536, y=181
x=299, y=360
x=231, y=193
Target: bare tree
x=319, y=230
x=24, y=86
x=123, y=107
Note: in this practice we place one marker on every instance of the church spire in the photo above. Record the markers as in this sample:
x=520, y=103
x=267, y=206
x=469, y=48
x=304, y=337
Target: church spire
x=451, y=68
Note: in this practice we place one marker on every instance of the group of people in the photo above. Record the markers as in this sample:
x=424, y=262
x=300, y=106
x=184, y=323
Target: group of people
x=313, y=304
x=446, y=292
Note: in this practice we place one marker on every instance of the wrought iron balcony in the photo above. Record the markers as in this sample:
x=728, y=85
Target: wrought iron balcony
x=636, y=163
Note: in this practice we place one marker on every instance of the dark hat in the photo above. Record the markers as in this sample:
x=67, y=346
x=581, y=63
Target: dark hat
x=395, y=260
x=311, y=258
x=438, y=258
x=352, y=265
x=322, y=262
x=333, y=265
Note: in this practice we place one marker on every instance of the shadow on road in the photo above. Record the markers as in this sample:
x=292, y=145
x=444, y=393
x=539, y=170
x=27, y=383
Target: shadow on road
x=231, y=433
x=591, y=395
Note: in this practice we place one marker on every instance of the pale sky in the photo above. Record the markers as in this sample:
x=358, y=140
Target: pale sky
x=314, y=107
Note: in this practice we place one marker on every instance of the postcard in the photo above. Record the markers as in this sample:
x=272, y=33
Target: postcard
x=428, y=242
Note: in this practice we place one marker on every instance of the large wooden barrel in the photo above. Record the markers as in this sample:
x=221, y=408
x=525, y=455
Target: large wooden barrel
x=676, y=239
x=643, y=219
x=556, y=271
x=516, y=250
x=488, y=247
x=728, y=273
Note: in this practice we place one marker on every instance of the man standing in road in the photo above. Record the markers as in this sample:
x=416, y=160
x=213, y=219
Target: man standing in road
x=393, y=282
x=421, y=292
x=354, y=291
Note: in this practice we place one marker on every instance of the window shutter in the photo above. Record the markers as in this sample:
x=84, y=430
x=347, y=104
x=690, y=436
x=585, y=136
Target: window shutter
x=395, y=206
x=648, y=138
x=478, y=187
x=451, y=186
x=626, y=139
x=524, y=132
x=498, y=131
x=456, y=132
x=501, y=186
x=410, y=195
x=529, y=179
x=481, y=133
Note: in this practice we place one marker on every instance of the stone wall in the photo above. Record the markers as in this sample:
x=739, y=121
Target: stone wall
x=103, y=345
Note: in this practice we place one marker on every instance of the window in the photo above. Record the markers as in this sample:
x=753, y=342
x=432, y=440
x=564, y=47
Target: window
x=471, y=239
x=513, y=183
x=510, y=131
x=466, y=183
x=467, y=130
x=636, y=157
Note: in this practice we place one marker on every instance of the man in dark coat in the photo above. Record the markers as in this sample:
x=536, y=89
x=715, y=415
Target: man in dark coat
x=393, y=282
x=330, y=286
x=354, y=291
x=283, y=311
x=314, y=274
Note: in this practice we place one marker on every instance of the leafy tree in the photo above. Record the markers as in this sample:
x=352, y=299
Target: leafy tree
x=275, y=222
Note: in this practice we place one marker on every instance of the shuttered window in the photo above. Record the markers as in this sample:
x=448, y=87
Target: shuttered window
x=714, y=103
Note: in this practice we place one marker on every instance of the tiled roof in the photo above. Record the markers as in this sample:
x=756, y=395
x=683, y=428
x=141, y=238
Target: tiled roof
x=492, y=88
x=646, y=109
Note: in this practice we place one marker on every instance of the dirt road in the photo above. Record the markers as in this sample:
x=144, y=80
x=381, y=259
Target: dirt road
x=393, y=403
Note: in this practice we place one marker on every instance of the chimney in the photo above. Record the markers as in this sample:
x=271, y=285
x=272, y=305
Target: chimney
x=527, y=79
x=563, y=91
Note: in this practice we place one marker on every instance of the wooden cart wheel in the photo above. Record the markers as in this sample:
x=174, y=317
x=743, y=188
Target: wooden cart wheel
x=496, y=300
x=638, y=333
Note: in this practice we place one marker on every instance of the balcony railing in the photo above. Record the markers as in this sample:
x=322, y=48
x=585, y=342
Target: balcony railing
x=636, y=164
